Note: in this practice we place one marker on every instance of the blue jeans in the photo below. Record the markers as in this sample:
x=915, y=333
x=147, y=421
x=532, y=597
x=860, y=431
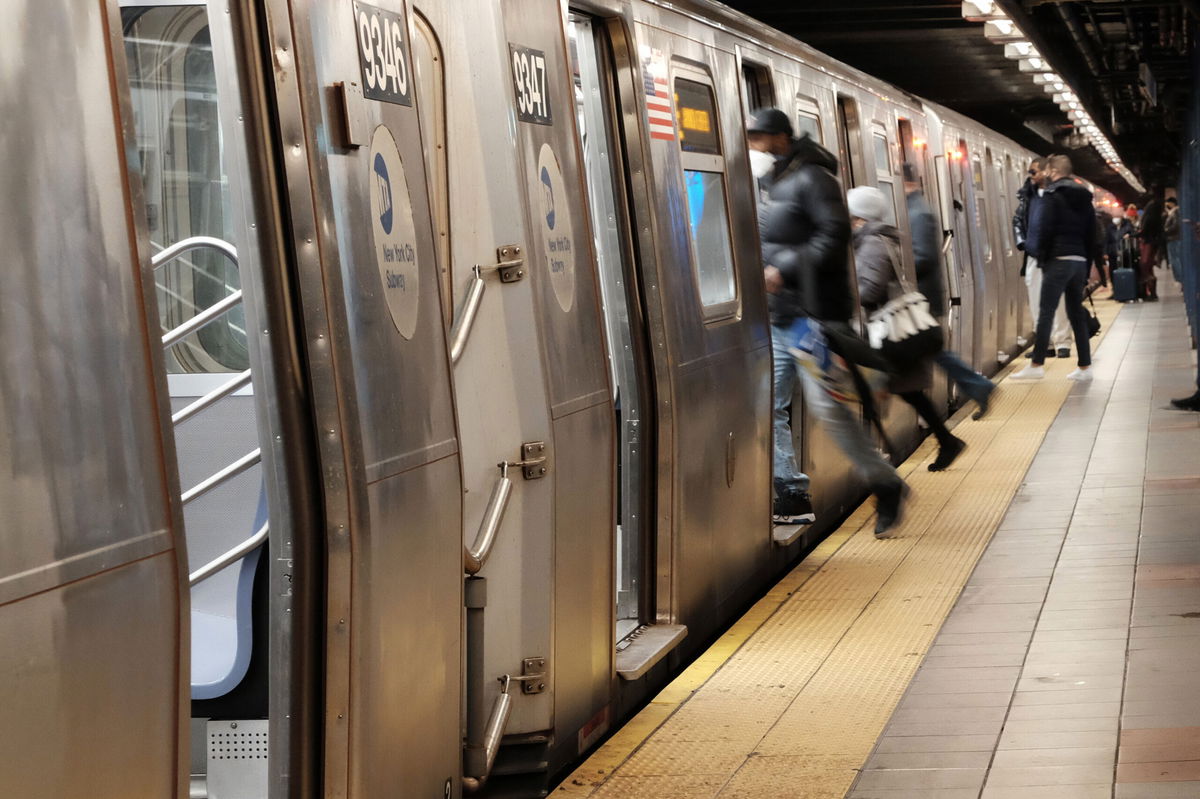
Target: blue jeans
x=1176, y=259
x=970, y=382
x=786, y=373
x=1062, y=277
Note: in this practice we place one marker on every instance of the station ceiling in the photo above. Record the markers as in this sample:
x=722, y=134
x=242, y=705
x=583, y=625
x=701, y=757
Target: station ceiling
x=1099, y=47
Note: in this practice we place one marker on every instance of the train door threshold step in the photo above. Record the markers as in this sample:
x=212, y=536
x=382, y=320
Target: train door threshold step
x=645, y=647
x=786, y=534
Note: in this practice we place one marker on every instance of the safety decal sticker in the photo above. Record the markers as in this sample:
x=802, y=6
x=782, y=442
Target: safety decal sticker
x=658, y=96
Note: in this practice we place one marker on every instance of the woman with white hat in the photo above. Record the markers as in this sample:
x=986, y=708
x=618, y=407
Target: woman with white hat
x=877, y=264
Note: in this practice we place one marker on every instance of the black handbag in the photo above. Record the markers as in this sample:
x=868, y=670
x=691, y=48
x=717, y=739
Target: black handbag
x=1093, y=322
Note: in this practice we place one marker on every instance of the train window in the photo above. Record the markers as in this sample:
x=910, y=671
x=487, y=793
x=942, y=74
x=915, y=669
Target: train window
x=911, y=149
x=756, y=85
x=850, y=131
x=695, y=111
x=981, y=214
x=704, y=184
x=173, y=89
x=808, y=119
x=429, y=66
x=883, y=158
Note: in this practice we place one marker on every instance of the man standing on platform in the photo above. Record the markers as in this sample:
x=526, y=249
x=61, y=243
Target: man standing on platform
x=1064, y=246
x=1026, y=225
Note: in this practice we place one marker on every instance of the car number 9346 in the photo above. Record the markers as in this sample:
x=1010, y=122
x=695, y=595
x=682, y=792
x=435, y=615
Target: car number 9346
x=382, y=54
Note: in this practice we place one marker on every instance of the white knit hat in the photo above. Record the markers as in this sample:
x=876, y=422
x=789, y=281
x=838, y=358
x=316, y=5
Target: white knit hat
x=866, y=202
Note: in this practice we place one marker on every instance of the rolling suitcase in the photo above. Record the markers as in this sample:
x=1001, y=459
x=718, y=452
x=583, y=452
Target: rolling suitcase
x=1124, y=277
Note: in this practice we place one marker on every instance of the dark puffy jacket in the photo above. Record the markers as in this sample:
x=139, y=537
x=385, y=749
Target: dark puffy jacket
x=1067, y=222
x=805, y=235
x=926, y=243
x=1020, y=220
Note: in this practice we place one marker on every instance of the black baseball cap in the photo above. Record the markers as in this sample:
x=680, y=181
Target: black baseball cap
x=769, y=120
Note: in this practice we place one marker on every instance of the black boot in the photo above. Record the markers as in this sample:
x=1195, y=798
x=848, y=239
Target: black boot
x=889, y=507
x=1191, y=403
x=947, y=452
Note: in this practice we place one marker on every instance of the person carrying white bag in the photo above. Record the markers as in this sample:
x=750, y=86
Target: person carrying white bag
x=900, y=325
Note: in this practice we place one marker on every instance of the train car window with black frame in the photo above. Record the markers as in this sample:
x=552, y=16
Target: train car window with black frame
x=808, y=119
x=703, y=163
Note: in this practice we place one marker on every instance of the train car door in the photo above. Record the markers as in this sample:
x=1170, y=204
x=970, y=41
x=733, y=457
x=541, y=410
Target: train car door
x=987, y=287
x=344, y=112
x=544, y=80
x=531, y=382
x=682, y=130
x=964, y=247
x=93, y=591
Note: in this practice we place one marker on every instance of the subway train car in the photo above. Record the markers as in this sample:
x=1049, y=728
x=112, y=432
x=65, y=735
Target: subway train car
x=388, y=401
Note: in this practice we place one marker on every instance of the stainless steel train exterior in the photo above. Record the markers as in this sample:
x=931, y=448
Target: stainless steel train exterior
x=439, y=326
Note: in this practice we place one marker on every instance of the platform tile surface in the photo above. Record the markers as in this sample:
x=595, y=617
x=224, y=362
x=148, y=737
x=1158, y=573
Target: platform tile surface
x=796, y=708
x=1080, y=606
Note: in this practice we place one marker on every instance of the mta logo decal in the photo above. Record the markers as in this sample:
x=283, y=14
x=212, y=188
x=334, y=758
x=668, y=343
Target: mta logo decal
x=384, y=187
x=548, y=197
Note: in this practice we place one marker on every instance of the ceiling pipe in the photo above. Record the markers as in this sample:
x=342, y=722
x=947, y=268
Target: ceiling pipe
x=1070, y=18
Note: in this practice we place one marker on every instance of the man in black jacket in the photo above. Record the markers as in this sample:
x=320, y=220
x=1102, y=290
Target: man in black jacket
x=793, y=503
x=927, y=251
x=1025, y=197
x=805, y=231
x=1065, y=249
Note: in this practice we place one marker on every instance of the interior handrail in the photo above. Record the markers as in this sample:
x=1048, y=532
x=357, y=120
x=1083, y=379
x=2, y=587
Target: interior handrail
x=168, y=254
x=237, y=553
x=232, y=470
x=173, y=337
x=212, y=397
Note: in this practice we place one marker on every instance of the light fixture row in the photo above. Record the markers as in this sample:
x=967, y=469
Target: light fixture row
x=999, y=28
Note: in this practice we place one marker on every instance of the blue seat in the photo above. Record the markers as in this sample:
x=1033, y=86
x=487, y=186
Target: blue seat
x=223, y=637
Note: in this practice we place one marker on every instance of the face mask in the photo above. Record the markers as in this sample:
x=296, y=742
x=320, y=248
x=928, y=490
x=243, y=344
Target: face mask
x=761, y=163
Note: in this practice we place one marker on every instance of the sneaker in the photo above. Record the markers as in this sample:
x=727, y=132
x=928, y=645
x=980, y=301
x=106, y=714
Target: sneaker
x=1191, y=403
x=1064, y=352
x=794, y=507
x=1030, y=372
x=1081, y=375
x=947, y=453
x=889, y=508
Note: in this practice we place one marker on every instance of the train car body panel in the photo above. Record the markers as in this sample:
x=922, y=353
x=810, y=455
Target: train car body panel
x=93, y=602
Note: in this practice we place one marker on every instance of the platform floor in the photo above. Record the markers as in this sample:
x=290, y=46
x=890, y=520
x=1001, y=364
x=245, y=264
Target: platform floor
x=1033, y=629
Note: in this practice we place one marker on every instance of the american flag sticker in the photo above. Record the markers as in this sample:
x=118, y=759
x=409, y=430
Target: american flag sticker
x=658, y=95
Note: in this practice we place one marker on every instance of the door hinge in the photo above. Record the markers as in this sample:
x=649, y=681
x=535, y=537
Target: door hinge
x=533, y=676
x=510, y=264
x=533, y=460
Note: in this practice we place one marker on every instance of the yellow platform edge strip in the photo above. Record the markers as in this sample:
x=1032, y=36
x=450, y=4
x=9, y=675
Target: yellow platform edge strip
x=1025, y=418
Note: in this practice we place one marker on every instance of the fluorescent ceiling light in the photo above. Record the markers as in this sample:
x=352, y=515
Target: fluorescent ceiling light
x=982, y=11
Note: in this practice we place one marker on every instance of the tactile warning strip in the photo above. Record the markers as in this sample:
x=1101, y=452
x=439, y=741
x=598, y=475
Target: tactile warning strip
x=790, y=701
